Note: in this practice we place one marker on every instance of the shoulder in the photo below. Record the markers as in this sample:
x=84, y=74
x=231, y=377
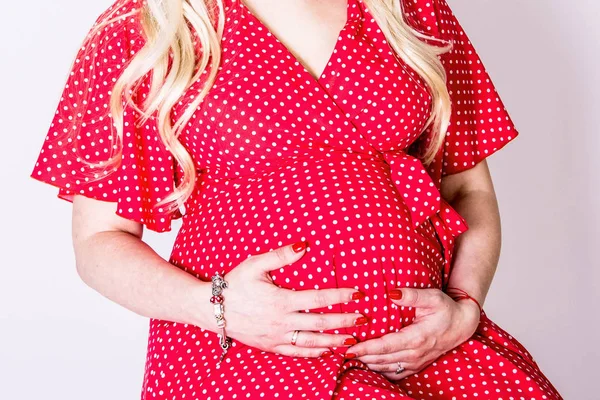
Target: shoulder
x=112, y=39
x=117, y=29
x=431, y=17
x=121, y=12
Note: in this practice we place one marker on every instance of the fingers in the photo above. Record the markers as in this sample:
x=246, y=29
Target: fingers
x=411, y=297
x=321, y=340
x=317, y=298
x=280, y=257
x=317, y=322
x=409, y=337
x=381, y=345
x=389, y=371
x=405, y=356
x=297, y=351
x=391, y=367
x=313, y=344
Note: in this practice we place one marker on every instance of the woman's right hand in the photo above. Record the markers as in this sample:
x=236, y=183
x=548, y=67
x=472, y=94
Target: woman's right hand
x=258, y=313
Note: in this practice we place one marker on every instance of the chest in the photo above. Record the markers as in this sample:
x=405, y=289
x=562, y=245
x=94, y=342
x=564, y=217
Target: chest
x=308, y=29
x=267, y=105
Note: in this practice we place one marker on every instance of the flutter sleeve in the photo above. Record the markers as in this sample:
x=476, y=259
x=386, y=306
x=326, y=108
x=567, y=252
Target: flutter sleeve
x=480, y=124
x=82, y=129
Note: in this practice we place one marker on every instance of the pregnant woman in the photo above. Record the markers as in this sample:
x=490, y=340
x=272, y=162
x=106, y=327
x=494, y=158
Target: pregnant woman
x=339, y=225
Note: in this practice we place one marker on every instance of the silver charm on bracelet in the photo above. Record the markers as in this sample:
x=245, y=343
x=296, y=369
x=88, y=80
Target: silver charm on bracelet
x=218, y=284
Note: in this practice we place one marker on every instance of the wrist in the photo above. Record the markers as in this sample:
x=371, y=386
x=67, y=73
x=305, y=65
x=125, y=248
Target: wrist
x=200, y=307
x=458, y=293
x=470, y=311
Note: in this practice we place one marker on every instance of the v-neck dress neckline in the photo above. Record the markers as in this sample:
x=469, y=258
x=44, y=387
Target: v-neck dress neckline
x=351, y=26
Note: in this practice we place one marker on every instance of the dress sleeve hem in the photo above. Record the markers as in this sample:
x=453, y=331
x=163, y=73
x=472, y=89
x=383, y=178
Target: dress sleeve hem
x=450, y=169
x=156, y=223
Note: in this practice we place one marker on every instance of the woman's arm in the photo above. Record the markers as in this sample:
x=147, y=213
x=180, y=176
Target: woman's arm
x=112, y=259
x=477, y=250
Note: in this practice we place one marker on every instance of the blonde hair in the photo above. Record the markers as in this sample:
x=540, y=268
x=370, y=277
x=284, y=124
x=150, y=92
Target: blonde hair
x=169, y=40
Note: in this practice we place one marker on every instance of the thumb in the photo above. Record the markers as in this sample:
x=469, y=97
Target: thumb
x=280, y=257
x=411, y=297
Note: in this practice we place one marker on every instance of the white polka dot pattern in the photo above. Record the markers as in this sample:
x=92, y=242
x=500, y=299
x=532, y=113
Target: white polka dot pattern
x=283, y=156
x=146, y=171
x=479, y=124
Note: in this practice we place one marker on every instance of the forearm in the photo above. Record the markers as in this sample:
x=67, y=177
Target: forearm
x=477, y=250
x=124, y=269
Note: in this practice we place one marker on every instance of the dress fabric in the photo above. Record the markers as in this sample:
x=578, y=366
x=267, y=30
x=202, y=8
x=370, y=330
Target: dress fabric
x=283, y=156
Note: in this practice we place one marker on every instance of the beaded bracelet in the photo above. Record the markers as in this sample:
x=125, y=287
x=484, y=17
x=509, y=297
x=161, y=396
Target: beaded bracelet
x=463, y=295
x=218, y=284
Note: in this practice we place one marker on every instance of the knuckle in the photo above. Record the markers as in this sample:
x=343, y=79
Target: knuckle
x=379, y=360
x=285, y=324
x=251, y=260
x=281, y=254
x=415, y=355
x=418, y=341
x=309, y=341
x=438, y=297
x=414, y=299
x=321, y=299
x=385, y=347
x=321, y=322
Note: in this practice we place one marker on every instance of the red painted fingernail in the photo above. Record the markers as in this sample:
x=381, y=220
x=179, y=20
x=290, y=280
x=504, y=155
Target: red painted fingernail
x=395, y=294
x=358, y=295
x=326, y=353
x=361, y=321
x=349, y=341
x=299, y=246
x=349, y=355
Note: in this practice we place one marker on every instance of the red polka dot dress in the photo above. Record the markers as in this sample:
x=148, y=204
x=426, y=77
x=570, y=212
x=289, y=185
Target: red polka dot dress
x=281, y=157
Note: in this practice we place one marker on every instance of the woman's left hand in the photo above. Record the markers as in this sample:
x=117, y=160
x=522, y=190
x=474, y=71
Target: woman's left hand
x=440, y=325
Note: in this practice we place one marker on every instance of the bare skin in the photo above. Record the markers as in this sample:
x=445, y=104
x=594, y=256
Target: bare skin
x=112, y=258
x=309, y=29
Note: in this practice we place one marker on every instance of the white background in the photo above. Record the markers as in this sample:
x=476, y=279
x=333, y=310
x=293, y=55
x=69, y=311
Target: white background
x=61, y=339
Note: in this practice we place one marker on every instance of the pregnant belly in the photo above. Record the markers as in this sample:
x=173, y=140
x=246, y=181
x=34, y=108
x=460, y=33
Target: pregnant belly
x=350, y=213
